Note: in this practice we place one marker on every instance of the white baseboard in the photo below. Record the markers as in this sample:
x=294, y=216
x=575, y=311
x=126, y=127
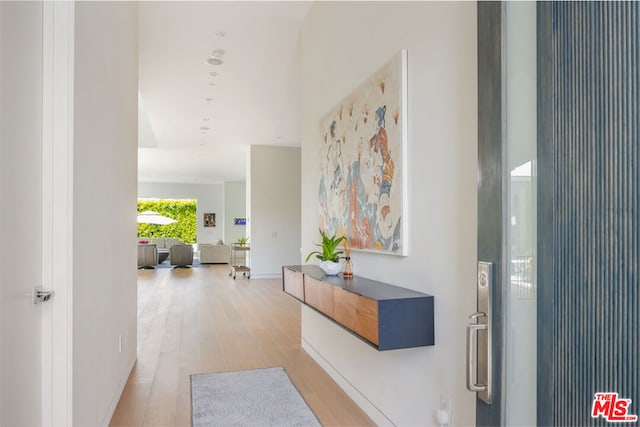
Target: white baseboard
x=116, y=398
x=361, y=400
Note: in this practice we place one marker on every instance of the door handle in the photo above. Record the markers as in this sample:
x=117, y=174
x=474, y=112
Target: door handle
x=40, y=296
x=479, y=352
x=472, y=333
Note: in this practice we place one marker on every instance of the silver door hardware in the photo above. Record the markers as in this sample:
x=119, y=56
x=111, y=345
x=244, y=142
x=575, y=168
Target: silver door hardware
x=479, y=337
x=40, y=296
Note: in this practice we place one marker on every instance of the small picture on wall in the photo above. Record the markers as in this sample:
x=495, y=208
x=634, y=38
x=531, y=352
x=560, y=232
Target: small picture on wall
x=209, y=220
x=239, y=221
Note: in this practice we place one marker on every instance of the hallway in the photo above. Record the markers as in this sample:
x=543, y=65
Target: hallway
x=200, y=320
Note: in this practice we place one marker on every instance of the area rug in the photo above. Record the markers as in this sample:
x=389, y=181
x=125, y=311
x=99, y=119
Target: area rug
x=259, y=397
x=167, y=264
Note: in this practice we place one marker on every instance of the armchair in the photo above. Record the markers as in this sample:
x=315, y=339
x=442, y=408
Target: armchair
x=181, y=255
x=147, y=256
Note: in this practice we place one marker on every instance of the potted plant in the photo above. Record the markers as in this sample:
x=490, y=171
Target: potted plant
x=330, y=255
x=242, y=241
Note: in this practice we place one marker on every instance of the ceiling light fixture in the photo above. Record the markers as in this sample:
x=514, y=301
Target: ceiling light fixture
x=206, y=119
x=212, y=84
x=214, y=73
x=213, y=61
x=204, y=128
x=218, y=53
x=208, y=99
x=221, y=34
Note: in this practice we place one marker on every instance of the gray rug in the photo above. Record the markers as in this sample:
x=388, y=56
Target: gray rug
x=259, y=397
x=167, y=264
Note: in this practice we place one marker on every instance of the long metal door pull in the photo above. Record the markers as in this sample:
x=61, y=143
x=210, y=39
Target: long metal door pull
x=472, y=330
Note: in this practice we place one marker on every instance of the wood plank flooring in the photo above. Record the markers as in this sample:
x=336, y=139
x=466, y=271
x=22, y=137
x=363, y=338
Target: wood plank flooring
x=200, y=320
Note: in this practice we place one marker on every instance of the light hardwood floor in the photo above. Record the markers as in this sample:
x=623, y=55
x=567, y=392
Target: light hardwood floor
x=200, y=320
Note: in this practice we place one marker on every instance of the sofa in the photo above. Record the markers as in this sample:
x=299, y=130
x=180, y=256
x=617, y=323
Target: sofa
x=214, y=254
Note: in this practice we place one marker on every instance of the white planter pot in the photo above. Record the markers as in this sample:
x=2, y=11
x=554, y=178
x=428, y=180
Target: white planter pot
x=331, y=268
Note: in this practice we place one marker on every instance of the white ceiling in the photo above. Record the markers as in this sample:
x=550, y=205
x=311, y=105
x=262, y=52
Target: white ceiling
x=256, y=96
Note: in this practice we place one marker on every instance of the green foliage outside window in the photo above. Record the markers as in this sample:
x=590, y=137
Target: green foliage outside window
x=183, y=211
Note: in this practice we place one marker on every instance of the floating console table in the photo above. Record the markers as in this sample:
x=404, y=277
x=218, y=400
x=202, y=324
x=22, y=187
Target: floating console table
x=385, y=316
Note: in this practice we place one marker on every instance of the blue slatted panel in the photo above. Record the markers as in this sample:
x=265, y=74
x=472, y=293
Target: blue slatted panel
x=596, y=276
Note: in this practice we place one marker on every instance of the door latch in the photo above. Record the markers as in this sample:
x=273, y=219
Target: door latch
x=40, y=296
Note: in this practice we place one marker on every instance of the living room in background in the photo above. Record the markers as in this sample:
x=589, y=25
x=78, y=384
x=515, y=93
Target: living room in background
x=209, y=197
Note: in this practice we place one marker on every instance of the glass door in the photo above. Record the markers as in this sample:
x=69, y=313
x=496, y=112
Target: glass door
x=502, y=334
x=519, y=397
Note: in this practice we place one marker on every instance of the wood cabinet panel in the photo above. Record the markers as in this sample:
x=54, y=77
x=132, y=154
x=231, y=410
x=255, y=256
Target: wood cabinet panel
x=357, y=313
x=319, y=295
x=293, y=283
x=384, y=316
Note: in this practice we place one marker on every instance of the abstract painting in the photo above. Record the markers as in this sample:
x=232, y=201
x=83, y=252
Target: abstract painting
x=363, y=188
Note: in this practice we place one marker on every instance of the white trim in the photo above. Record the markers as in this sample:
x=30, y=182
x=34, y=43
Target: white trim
x=404, y=118
x=118, y=394
x=1, y=205
x=360, y=399
x=57, y=210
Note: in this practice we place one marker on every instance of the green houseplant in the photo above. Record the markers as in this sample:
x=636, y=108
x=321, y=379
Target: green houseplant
x=330, y=255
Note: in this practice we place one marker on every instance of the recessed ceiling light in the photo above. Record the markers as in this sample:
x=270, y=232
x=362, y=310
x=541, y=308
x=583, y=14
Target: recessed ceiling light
x=206, y=119
x=212, y=84
x=214, y=73
x=204, y=128
x=218, y=53
x=221, y=34
x=208, y=99
x=213, y=61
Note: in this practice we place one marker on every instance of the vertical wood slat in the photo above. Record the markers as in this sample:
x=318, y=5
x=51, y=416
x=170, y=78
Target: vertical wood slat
x=357, y=313
x=292, y=283
x=593, y=265
x=319, y=295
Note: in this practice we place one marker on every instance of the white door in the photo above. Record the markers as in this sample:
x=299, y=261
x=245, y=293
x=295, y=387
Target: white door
x=35, y=212
x=21, y=213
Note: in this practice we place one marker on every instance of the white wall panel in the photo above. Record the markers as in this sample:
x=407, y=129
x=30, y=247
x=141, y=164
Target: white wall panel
x=342, y=44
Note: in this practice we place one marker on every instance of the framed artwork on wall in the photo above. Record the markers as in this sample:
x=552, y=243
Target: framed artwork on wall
x=363, y=180
x=209, y=220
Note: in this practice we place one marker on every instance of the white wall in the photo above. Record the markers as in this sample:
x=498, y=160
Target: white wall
x=21, y=213
x=210, y=200
x=235, y=206
x=274, y=182
x=105, y=191
x=342, y=44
